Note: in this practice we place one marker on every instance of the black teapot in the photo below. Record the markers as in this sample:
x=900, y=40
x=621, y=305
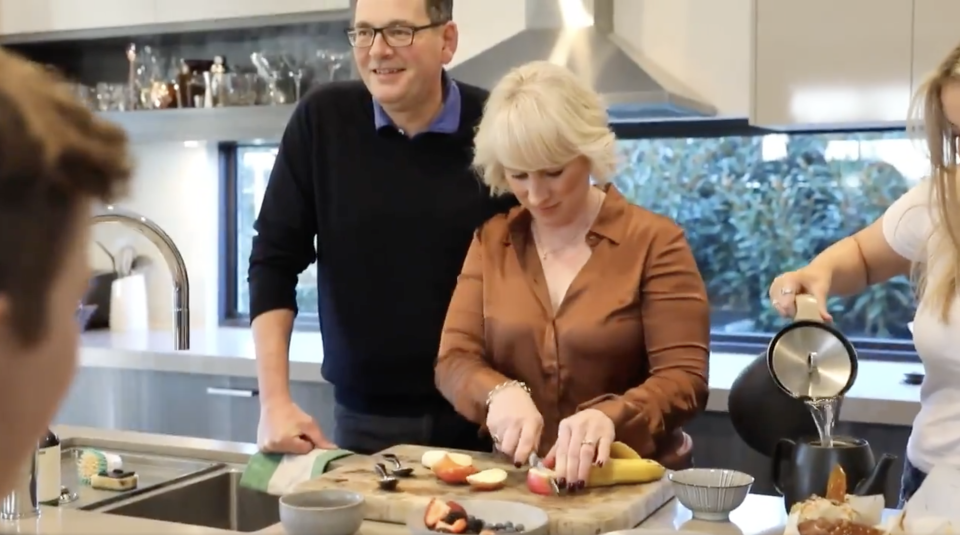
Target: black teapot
x=801, y=469
x=806, y=360
x=762, y=413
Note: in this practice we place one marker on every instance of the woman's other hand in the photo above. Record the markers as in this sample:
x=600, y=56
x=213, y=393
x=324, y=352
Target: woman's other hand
x=514, y=423
x=583, y=441
x=784, y=290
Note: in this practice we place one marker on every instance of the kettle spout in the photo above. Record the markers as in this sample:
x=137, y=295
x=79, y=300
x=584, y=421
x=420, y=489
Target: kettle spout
x=876, y=481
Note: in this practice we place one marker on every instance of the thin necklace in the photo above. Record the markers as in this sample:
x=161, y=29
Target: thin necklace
x=579, y=235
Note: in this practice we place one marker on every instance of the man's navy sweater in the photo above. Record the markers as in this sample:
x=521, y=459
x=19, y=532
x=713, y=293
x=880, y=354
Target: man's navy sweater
x=393, y=217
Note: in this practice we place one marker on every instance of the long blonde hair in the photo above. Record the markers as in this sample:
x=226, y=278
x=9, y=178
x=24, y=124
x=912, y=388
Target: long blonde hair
x=938, y=289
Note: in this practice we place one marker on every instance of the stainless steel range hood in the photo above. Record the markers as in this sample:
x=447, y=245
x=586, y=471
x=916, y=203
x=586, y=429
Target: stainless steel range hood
x=593, y=53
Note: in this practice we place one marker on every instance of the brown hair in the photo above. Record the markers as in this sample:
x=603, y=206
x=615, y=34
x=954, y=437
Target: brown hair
x=439, y=10
x=54, y=155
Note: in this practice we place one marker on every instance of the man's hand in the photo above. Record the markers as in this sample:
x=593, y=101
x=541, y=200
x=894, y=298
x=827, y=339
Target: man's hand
x=285, y=428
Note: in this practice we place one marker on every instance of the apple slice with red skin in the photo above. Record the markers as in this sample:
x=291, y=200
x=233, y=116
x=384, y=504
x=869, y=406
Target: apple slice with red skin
x=541, y=481
x=452, y=471
x=435, y=512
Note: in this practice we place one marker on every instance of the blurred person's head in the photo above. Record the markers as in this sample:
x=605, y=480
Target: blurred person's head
x=56, y=160
x=401, y=48
x=935, y=115
x=543, y=135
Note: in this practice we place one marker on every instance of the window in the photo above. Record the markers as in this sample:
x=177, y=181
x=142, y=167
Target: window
x=253, y=166
x=752, y=205
x=756, y=206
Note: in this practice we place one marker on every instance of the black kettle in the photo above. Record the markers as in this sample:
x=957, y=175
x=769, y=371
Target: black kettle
x=802, y=468
x=766, y=401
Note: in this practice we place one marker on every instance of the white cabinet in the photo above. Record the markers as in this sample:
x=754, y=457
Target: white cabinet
x=172, y=11
x=19, y=16
x=50, y=16
x=826, y=62
x=67, y=15
x=935, y=34
x=45, y=16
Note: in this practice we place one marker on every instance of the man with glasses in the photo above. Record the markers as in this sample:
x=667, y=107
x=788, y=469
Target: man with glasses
x=378, y=172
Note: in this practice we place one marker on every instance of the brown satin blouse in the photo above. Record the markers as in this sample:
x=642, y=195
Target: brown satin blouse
x=629, y=339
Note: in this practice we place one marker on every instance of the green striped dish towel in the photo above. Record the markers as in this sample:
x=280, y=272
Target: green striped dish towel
x=277, y=474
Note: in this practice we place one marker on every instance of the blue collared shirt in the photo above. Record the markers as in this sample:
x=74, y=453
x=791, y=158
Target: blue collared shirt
x=446, y=122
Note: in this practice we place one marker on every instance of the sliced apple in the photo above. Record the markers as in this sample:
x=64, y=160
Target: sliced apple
x=452, y=472
x=431, y=458
x=435, y=512
x=461, y=458
x=541, y=481
x=486, y=480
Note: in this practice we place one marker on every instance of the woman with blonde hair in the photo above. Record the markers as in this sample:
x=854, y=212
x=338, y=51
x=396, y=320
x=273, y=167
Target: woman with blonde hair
x=578, y=318
x=918, y=235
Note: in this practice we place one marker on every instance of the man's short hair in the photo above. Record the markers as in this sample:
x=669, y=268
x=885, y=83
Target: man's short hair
x=54, y=155
x=440, y=11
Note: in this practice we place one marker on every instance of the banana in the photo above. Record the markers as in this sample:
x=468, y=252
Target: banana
x=625, y=472
x=619, y=450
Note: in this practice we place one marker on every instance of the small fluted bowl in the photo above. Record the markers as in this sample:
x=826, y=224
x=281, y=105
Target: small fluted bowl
x=711, y=493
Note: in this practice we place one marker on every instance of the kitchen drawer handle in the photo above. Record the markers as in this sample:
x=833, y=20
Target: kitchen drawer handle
x=233, y=392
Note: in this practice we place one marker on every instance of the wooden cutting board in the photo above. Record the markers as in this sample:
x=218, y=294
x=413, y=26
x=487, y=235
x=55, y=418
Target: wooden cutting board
x=592, y=511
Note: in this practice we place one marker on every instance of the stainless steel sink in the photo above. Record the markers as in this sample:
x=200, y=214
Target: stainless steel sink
x=213, y=501
x=153, y=471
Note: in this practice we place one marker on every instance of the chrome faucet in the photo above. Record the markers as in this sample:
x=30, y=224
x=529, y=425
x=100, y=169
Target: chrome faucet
x=173, y=258
x=22, y=500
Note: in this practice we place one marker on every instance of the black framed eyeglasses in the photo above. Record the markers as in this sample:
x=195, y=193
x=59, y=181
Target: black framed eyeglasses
x=395, y=36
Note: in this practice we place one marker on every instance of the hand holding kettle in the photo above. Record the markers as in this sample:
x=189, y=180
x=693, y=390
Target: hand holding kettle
x=807, y=280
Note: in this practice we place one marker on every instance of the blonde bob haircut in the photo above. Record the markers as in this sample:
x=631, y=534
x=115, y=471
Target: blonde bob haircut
x=928, y=122
x=542, y=116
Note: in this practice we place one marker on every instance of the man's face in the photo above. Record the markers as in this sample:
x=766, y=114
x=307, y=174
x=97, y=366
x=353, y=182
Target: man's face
x=34, y=380
x=398, y=75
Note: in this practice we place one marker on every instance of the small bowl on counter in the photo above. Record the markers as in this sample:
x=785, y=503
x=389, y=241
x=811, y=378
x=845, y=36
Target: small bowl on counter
x=506, y=518
x=322, y=512
x=711, y=493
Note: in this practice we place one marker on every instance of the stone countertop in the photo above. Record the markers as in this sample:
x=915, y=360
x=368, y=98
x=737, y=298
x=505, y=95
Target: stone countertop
x=878, y=397
x=759, y=515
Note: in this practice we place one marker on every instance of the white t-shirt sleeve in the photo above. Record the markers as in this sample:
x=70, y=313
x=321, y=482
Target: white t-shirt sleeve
x=907, y=224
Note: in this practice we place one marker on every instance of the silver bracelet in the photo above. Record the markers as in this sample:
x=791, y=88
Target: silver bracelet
x=506, y=384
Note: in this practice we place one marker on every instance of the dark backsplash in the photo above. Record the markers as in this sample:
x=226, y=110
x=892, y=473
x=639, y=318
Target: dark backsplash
x=104, y=60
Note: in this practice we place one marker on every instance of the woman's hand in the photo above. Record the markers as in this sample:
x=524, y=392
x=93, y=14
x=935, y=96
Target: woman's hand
x=583, y=441
x=514, y=423
x=784, y=290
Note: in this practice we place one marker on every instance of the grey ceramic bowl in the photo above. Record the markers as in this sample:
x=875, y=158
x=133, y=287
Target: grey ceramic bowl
x=534, y=519
x=711, y=493
x=322, y=512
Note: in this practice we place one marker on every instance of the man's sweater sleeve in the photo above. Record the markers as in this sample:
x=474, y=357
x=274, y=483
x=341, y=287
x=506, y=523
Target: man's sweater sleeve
x=283, y=245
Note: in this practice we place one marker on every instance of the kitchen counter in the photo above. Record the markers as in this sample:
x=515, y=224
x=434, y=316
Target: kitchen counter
x=759, y=515
x=878, y=397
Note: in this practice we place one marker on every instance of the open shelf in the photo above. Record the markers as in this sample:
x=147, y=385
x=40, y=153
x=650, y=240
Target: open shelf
x=238, y=123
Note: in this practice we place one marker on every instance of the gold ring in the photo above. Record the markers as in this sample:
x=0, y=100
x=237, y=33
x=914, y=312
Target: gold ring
x=588, y=443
